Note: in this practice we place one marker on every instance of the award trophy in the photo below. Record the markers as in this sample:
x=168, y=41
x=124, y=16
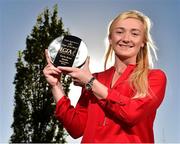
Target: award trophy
x=68, y=51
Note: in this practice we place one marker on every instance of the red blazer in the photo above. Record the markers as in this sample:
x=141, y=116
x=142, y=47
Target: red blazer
x=118, y=118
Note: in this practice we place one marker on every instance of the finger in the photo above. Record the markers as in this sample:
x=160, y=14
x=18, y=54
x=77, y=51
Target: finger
x=53, y=72
x=74, y=80
x=50, y=68
x=47, y=57
x=77, y=84
x=67, y=69
x=56, y=70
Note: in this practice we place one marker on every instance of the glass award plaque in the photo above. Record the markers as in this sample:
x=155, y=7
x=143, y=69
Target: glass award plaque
x=68, y=51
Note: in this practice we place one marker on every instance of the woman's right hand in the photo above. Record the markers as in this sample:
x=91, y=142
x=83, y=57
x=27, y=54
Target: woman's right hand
x=51, y=73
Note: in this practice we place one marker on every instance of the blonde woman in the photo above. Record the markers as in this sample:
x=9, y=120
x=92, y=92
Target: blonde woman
x=120, y=103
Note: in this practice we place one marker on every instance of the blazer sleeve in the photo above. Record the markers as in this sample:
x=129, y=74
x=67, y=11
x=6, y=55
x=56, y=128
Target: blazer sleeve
x=131, y=110
x=73, y=119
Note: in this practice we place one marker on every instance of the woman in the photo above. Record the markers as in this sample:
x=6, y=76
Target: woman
x=120, y=103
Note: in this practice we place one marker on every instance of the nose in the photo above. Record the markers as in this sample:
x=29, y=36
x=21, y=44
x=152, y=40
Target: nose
x=125, y=38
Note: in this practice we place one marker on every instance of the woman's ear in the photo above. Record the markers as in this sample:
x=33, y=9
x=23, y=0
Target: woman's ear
x=143, y=44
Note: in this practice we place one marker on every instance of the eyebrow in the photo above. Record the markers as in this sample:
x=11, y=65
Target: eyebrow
x=133, y=29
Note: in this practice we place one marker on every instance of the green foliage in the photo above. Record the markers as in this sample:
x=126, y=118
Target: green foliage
x=34, y=119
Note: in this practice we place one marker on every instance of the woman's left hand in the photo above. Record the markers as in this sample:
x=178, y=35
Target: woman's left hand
x=80, y=76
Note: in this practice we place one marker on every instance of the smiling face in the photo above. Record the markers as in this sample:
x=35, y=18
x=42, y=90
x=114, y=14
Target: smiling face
x=126, y=38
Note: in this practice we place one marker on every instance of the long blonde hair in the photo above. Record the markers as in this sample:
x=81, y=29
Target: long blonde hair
x=144, y=60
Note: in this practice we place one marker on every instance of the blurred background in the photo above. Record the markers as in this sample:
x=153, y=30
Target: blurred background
x=89, y=20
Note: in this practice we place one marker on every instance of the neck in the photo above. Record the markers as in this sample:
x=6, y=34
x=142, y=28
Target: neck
x=120, y=65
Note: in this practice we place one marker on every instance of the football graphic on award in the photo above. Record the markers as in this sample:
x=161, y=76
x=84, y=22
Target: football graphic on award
x=68, y=51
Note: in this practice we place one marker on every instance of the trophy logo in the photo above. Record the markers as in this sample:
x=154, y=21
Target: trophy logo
x=68, y=51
